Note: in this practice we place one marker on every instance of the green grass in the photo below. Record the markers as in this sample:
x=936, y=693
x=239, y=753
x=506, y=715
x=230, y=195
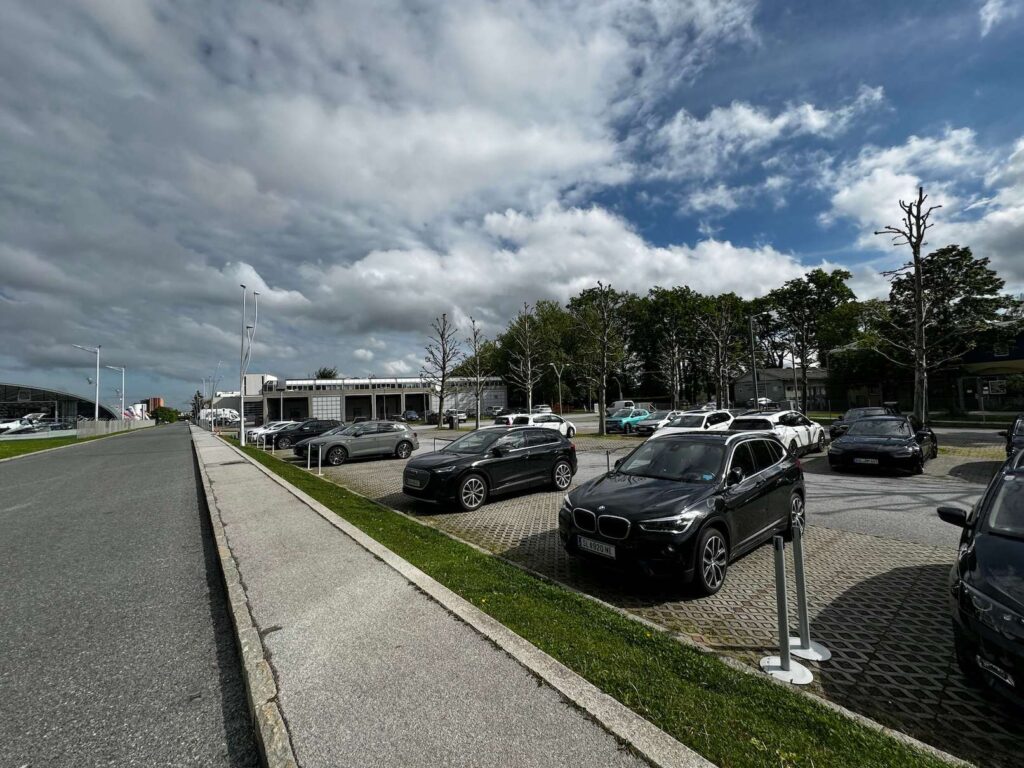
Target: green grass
x=9, y=448
x=732, y=718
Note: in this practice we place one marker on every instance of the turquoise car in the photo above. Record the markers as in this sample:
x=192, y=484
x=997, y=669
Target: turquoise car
x=625, y=420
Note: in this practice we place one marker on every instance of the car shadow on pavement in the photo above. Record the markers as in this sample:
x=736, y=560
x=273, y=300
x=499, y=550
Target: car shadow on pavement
x=893, y=660
x=975, y=471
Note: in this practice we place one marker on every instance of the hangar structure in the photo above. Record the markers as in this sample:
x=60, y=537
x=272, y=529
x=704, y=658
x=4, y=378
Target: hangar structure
x=17, y=400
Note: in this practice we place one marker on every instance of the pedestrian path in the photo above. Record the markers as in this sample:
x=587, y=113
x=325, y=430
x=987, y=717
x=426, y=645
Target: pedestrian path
x=369, y=669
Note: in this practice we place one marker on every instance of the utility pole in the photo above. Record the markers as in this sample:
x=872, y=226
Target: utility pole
x=753, y=365
x=121, y=369
x=95, y=350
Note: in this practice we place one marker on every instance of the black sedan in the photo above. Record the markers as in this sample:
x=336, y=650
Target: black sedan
x=886, y=442
x=289, y=436
x=489, y=461
x=987, y=583
x=839, y=427
x=686, y=505
x=1014, y=436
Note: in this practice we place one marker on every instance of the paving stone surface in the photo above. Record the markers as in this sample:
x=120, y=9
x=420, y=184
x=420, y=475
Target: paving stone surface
x=878, y=604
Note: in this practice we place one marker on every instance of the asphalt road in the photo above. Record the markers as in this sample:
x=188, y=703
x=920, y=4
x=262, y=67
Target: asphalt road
x=116, y=648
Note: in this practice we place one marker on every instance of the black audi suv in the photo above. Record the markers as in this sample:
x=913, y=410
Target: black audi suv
x=1014, y=435
x=289, y=436
x=987, y=583
x=686, y=505
x=888, y=442
x=489, y=461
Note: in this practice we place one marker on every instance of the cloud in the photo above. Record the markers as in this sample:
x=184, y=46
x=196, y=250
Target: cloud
x=363, y=354
x=994, y=12
x=688, y=147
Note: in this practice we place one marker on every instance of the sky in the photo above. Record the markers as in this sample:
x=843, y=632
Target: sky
x=368, y=166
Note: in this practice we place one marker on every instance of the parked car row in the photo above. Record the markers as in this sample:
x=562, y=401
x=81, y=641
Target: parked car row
x=546, y=420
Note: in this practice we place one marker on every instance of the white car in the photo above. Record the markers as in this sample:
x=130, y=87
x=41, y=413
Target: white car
x=796, y=431
x=656, y=421
x=541, y=409
x=696, y=421
x=267, y=429
x=546, y=420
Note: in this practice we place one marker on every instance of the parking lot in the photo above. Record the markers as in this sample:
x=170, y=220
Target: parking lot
x=877, y=562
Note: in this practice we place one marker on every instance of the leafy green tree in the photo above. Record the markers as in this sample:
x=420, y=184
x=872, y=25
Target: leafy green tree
x=722, y=321
x=164, y=415
x=325, y=372
x=599, y=322
x=937, y=312
x=802, y=305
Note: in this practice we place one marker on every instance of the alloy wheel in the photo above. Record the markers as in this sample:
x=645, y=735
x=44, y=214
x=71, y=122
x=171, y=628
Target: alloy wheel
x=563, y=475
x=821, y=442
x=404, y=450
x=473, y=492
x=336, y=456
x=713, y=562
x=797, y=514
x=284, y=443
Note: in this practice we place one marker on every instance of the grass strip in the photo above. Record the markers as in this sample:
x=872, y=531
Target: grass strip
x=733, y=719
x=11, y=448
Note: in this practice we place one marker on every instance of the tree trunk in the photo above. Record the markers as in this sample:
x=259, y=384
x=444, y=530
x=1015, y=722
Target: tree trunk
x=920, y=346
x=600, y=409
x=478, y=407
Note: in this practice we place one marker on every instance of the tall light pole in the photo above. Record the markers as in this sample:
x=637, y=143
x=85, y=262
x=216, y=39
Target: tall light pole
x=121, y=369
x=753, y=365
x=558, y=373
x=244, y=355
x=96, y=351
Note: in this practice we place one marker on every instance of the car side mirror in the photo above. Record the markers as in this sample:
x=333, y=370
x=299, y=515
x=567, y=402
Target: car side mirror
x=1003, y=433
x=921, y=435
x=617, y=463
x=706, y=425
x=735, y=476
x=954, y=516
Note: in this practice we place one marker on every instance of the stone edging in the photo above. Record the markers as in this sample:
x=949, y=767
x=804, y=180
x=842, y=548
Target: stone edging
x=656, y=746
x=71, y=445
x=272, y=736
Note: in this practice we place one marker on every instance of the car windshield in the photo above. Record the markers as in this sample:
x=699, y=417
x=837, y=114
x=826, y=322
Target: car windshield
x=860, y=413
x=750, y=424
x=881, y=428
x=686, y=462
x=696, y=420
x=658, y=415
x=475, y=442
x=622, y=413
x=1007, y=512
x=337, y=431
x=1018, y=428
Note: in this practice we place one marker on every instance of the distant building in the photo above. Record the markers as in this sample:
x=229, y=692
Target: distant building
x=777, y=384
x=17, y=400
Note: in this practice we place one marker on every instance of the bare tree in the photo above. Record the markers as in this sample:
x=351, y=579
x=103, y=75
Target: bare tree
x=721, y=322
x=524, y=349
x=477, y=364
x=443, y=354
x=600, y=322
x=911, y=232
x=670, y=366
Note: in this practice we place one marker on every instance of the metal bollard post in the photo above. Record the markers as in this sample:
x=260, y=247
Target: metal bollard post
x=320, y=460
x=309, y=456
x=608, y=460
x=782, y=667
x=803, y=647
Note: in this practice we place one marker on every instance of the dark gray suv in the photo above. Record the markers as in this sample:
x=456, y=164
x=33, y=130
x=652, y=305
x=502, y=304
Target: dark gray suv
x=368, y=438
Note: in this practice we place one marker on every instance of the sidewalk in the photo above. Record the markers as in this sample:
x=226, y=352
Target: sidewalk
x=369, y=669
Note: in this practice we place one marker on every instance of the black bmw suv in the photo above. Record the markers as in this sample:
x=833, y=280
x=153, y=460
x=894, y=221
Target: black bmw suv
x=987, y=583
x=686, y=505
x=489, y=461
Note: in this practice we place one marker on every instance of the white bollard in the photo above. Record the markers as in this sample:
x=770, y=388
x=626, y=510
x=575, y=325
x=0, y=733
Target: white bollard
x=782, y=667
x=803, y=647
x=320, y=460
x=309, y=456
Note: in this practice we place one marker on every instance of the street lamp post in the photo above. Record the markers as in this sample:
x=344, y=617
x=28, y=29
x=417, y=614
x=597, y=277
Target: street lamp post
x=121, y=369
x=558, y=373
x=95, y=350
x=753, y=365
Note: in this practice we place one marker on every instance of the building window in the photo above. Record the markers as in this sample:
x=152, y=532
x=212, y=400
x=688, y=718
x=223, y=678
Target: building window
x=326, y=408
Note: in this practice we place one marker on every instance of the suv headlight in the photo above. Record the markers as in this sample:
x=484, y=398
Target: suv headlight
x=566, y=504
x=673, y=524
x=444, y=470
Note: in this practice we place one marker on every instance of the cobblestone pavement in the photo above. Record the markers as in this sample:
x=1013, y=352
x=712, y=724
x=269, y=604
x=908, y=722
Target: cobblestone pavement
x=877, y=603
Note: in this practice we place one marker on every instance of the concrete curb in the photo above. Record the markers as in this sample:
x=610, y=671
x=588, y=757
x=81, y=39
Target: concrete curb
x=735, y=664
x=653, y=744
x=71, y=445
x=272, y=736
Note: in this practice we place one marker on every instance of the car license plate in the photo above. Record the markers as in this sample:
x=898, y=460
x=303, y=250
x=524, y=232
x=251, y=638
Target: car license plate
x=597, y=547
x=865, y=461
x=412, y=482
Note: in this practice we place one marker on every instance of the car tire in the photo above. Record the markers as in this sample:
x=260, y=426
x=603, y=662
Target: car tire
x=793, y=450
x=627, y=428
x=797, y=512
x=935, y=451
x=284, y=443
x=918, y=468
x=712, y=562
x=403, y=450
x=561, y=475
x=965, y=659
x=570, y=433
x=472, y=492
x=820, y=447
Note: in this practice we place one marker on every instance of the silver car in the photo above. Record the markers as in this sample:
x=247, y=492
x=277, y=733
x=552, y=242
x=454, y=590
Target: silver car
x=367, y=438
